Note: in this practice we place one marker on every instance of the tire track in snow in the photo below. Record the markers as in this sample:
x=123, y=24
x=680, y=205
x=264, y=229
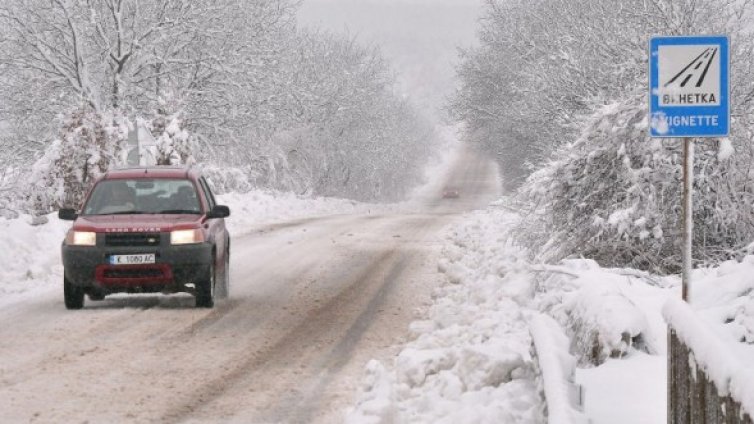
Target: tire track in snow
x=286, y=348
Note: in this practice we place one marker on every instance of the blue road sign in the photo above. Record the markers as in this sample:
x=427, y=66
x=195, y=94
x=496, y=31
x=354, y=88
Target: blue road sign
x=689, y=86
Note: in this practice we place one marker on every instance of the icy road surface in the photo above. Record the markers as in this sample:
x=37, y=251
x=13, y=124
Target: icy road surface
x=312, y=301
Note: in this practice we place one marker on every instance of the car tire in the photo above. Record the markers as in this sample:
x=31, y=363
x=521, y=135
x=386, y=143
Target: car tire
x=73, y=295
x=205, y=290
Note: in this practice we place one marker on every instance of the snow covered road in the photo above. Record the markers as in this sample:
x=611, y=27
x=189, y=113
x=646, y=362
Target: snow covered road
x=312, y=301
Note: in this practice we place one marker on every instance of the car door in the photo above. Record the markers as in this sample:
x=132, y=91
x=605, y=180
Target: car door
x=216, y=226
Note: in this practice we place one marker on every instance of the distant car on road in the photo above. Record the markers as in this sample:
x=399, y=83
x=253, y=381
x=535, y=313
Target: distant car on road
x=147, y=230
x=450, y=193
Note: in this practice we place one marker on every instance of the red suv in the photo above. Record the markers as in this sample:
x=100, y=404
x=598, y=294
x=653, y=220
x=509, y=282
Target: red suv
x=147, y=230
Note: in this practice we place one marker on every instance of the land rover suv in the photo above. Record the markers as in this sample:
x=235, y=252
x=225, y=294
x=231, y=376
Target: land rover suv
x=147, y=230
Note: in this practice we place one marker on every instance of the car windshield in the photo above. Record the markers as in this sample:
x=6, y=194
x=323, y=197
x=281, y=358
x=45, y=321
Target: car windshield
x=143, y=196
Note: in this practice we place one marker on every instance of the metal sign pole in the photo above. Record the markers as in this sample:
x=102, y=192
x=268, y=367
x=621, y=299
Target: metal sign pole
x=689, y=98
x=688, y=214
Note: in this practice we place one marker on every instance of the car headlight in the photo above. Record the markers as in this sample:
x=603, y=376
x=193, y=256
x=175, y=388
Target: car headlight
x=186, y=236
x=81, y=238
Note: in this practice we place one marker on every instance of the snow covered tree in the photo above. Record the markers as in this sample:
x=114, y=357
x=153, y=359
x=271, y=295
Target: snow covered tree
x=110, y=54
x=89, y=144
x=543, y=65
x=175, y=146
x=346, y=125
x=243, y=79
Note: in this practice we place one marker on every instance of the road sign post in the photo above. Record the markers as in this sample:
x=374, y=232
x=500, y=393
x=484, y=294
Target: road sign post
x=689, y=98
x=688, y=214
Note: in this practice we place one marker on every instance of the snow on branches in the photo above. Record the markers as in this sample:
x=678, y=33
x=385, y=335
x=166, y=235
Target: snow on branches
x=175, y=146
x=543, y=65
x=88, y=145
x=293, y=109
x=614, y=196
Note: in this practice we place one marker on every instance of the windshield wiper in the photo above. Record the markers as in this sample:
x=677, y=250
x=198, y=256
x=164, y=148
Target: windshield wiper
x=123, y=213
x=180, y=211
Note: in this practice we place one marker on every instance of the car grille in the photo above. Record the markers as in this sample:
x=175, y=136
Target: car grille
x=132, y=239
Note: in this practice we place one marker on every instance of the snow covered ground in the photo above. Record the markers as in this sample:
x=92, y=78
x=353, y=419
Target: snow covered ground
x=470, y=357
x=470, y=361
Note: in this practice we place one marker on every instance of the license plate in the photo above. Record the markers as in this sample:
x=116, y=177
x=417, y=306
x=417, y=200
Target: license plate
x=146, y=258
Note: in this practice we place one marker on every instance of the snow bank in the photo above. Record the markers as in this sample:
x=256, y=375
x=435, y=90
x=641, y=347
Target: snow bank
x=470, y=361
x=602, y=308
x=557, y=367
x=613, y=317
x=725, y=296
x=30, y=254
x=621, y=312
x=478, y=334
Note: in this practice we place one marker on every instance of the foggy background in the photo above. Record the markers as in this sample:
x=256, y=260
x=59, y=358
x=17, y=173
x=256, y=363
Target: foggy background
x=419, y=37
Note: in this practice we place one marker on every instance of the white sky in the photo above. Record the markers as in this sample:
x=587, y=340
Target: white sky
x=419, y=37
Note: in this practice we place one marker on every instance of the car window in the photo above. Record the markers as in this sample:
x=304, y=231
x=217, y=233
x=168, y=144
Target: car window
x=207, y=192
x=143, y=196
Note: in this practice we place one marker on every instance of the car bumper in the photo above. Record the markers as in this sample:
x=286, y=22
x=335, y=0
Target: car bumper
x=176, y=268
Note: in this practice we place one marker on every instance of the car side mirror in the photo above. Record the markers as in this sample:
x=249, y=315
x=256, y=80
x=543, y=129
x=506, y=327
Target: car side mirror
x=67, y=214
x=219, y=211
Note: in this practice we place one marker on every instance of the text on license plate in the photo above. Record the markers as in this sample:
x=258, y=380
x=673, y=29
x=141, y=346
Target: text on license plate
x=146, y=258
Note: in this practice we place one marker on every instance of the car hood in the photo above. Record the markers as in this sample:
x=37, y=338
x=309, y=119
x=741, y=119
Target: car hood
x=136, y=223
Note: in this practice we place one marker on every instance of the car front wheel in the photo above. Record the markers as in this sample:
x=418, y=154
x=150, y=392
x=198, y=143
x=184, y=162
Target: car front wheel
x=205, y=290
x=73, y=295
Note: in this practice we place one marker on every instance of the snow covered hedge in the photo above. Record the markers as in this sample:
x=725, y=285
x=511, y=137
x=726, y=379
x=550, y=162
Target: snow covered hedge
x=614, y=195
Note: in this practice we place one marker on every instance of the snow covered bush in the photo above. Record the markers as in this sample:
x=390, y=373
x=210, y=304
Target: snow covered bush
x=10, y=201
x=614, y=195
x=89, y=144
x=602, y=318
x=175, y=145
